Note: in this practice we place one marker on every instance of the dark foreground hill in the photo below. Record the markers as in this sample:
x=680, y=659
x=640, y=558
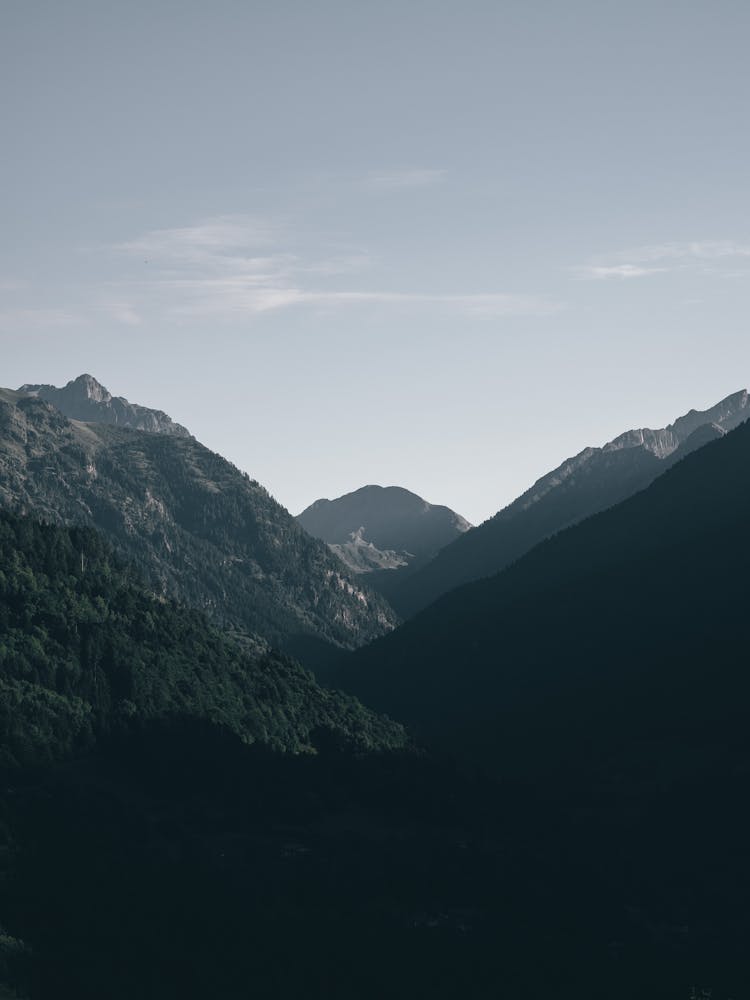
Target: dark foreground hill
x=619, y=643
x=607, y=673
x=165, y=858
x=176, y=863
x=589, y=482
x=200, y=530
x=382, y=528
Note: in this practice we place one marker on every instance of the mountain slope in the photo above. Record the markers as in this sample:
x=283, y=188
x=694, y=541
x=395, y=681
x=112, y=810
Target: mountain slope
x=381, y=528
x=85, y=650
x=86, y=399
x=199, y=529
x=593, y=480
x=617, y=646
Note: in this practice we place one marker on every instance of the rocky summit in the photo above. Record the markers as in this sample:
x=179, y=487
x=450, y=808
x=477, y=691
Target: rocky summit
x=84, y=398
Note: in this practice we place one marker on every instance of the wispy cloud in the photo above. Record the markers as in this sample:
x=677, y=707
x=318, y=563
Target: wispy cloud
x=226, y=297
x=12, y=285
x=600, y=272
x=695, y=250
x=124, y=313
x=238, y=266
x=707, y=256
x=398, y=180
x=210, y=238
x=41, y=318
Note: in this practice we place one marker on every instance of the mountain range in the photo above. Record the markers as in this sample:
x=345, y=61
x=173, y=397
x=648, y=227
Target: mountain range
x=199, y=530
x=607, y=646
x=382, y=528
x=591, y=481
x=559, y=809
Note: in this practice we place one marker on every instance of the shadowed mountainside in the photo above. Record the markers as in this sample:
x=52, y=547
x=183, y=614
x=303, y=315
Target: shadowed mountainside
x=620, y=640
x=593, y=480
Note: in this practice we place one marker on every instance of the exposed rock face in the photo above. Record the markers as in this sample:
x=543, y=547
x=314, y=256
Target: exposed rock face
x=199, y=529
x=86, y=399
x=381, y=528
x=591, y=481
x=362, y=556
x=726, y=415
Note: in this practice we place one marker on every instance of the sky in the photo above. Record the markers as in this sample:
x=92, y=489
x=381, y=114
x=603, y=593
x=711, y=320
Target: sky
x=442, y=245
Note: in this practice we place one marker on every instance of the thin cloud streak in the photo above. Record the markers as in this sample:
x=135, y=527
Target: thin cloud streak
x=399, y=180
x=705, y=256
x=601, y=272
x=694, y=250
x=213, y=237
x=216, y=269
x=226, y=298
x=42, y=318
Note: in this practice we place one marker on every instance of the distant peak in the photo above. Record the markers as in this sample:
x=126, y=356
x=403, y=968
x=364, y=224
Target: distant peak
x=392, y=525
x=92, y=387
x=85, y=398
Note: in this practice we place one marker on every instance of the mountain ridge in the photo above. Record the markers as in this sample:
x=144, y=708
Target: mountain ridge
x=85, y=398
x=590, y=481
x=631, y=620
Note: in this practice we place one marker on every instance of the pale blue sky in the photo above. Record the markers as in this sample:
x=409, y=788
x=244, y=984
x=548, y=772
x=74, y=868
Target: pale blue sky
x=442, y=245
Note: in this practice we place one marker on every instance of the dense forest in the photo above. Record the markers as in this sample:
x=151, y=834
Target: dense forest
x=158, y=843
x=85, y=650
x=185, y=812
x=199, y=530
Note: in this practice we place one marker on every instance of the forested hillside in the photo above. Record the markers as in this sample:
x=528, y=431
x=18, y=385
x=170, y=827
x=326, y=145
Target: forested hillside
x=198, y=529
x=86, y=651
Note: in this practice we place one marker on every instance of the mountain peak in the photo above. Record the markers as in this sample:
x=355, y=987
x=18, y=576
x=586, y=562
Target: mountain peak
x=92, y=388
x=382, y=527
x=85, y=398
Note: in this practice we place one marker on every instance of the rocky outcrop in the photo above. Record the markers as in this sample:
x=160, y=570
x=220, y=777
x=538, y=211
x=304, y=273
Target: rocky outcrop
x=86, y=399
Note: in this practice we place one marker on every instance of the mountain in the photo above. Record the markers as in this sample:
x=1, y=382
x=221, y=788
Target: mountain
x=589, y=482
x=86, y=650
x=603, y=678
x=382, y=528
x=86, y=399
x=199, y=530
x=613, y=648
x=185, y=815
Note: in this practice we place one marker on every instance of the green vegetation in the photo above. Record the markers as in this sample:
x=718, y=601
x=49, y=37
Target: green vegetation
x=167, y=832
x=198, y=529
x=86, y=650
